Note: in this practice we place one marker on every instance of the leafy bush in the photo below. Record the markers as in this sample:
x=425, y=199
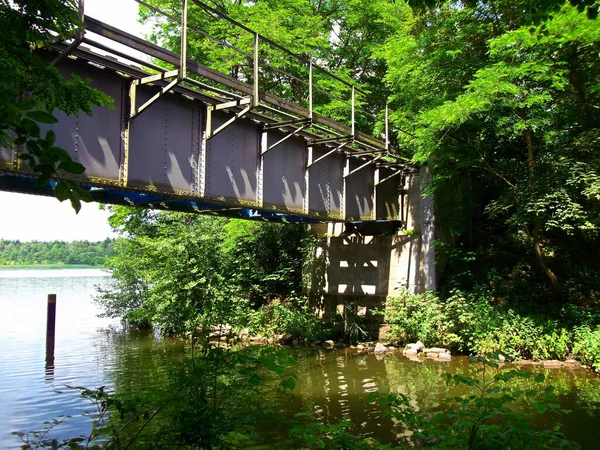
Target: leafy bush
x=307, y=432
x=470, y=322
x=587, y=346
x=423, y=317
x=293, y=316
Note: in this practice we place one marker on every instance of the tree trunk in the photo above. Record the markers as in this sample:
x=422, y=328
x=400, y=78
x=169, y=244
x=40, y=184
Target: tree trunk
x=537, y=231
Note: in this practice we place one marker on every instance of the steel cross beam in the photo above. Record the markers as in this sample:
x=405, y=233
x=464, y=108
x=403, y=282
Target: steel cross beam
x=377, y=183
x=272, y=126
x=320, y=158
x=368, y=163
x=348, y=137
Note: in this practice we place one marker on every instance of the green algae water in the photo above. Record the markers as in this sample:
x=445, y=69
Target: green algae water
x=92, y=352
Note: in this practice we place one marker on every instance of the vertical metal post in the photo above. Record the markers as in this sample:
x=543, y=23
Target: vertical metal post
x=345, y=173
x=256, y=98
x=376, y=176
x=387, y=131
x=309, y=160
x=202, y=168
x=80, y=31
x=183, y=56
x=353, y=111
x=50, y=331
x=129, y=121
x=310, y=90
x=132, y=98
x=209, y=110
x=260, y=188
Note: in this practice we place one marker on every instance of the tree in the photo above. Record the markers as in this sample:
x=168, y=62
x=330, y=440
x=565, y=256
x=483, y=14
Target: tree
x=176, y=269
x=489, y=94
x=338, y=35
x=31, y=88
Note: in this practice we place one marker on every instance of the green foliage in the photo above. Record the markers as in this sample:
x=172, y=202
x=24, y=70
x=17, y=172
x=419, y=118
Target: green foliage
x=16, y=253
x=307, y=432
x=182, y=271
x=473, y=323
x=293, y=316
x=219, y=400
x=587, y=346
x=214, y=401
x=503, y=100
x=31, y=89
x=266, y=258
x=419, y=317
x=171, y=270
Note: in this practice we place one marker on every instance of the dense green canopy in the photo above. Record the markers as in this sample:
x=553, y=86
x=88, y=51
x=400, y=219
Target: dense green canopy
x=499, y=98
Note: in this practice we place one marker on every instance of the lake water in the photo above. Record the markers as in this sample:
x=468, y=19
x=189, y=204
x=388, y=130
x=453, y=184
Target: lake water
x=91, y=352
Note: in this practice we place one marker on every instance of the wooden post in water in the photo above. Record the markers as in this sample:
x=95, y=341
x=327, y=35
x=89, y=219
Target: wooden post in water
x=50, y=333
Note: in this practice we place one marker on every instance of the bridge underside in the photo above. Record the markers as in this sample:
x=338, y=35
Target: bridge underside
x=170, y=157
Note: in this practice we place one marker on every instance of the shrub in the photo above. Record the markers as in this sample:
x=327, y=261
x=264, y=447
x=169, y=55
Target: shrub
x=496, y=413
x=587, y=346
x=293, y=316
x=472, y=323
x=423, y=317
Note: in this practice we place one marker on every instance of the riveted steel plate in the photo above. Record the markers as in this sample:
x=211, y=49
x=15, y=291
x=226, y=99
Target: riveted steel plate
x=359, y=191
x=326, y=184
x=283, y=172
x=161, y=146
x=94, y=141
x=5, y=157
x=232, y=158
x=388, y=207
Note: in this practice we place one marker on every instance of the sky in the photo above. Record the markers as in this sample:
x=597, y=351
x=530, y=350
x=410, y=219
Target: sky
x=36, y=218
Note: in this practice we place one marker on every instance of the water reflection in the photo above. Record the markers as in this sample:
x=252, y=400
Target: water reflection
x=92, y=352
x=336, y=385
x=34, y=370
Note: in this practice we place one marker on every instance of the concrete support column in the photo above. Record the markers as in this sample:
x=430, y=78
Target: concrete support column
x=427, y=226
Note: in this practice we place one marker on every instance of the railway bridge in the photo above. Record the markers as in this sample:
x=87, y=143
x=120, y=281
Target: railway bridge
x=185, y=137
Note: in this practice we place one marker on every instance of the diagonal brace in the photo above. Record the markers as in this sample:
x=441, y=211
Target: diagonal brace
x=331, y=152
x=209, y=131
x=285, y=138
x=135, y=111
x=398, y=172
x=368, y=163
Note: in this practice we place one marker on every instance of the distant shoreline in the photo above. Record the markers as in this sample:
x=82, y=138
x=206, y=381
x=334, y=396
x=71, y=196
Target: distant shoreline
x=50, y=267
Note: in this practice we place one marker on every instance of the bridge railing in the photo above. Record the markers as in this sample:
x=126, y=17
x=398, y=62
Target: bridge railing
x=251, y=76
